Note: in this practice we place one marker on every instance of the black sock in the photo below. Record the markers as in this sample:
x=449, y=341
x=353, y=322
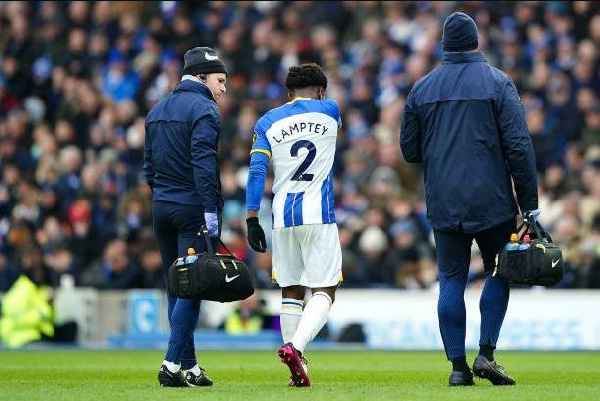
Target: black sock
x=460, y=364
x=487, y=351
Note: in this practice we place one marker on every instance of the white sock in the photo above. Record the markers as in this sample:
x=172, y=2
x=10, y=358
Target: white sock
x=291, y=312
x=195, y=370
x=172, y=366
x=313, y=319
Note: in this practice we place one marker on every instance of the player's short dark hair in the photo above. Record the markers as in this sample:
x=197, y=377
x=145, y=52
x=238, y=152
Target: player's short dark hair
x=305, y=76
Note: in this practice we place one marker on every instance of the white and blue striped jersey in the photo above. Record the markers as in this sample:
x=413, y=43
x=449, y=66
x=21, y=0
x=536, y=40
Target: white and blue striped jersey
x=300, y=138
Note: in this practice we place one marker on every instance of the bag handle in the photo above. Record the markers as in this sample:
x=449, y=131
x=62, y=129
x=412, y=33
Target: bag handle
x=204, y=233
x=536, y=227
x=543, y=232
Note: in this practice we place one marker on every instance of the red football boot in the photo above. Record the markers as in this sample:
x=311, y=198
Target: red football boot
x=297, y=365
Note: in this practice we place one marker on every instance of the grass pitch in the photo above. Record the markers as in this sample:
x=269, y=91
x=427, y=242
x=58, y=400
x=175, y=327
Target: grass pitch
x=258, y=375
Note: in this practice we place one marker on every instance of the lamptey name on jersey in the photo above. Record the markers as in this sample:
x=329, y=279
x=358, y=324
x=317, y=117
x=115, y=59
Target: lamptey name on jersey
x=301, y=127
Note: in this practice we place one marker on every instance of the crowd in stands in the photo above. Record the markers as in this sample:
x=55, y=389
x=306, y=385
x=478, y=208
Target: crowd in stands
x=77, y=79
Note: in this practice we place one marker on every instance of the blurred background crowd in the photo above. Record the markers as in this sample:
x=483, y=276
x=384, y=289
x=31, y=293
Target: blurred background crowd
x=77, y=79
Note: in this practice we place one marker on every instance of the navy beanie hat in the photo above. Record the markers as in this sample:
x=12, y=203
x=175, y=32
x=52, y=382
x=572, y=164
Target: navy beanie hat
x=460, y=33
x=202, y=60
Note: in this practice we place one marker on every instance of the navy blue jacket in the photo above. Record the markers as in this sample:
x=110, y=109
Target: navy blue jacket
x=180, y=149
x=465, y=122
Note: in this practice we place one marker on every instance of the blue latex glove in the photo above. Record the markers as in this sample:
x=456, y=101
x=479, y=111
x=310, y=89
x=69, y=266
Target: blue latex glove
x=212, y=223
x=533, y=214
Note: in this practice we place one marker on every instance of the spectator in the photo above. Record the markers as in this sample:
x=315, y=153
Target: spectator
x=373, y=244
x=27, y=313
x=116, y=271
x=83, y=142
x=119, y=82
x=133, y=215
x=85, y=242
x=247, y=318
x=151, y=262
x=61, y=261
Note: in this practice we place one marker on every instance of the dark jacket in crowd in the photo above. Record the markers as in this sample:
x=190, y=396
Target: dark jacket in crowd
x=465, y=122
x=180, y=150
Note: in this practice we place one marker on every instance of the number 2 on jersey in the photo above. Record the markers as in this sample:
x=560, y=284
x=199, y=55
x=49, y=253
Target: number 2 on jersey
x=312, y=151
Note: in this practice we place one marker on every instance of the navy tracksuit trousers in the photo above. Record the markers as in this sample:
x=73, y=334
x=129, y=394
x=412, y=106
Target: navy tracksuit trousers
x=453, y=258
x=175, y=227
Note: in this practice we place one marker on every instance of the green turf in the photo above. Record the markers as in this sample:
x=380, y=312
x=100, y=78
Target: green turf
x=258, y=375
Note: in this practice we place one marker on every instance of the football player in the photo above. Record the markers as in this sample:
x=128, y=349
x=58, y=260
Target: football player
x=300, y=139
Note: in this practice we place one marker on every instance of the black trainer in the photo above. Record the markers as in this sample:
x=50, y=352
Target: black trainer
x=166, y=378
x=197, y=381
x=486, y=369
x=460, y=378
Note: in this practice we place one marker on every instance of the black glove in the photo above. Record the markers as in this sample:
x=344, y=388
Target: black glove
x=256, y=235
